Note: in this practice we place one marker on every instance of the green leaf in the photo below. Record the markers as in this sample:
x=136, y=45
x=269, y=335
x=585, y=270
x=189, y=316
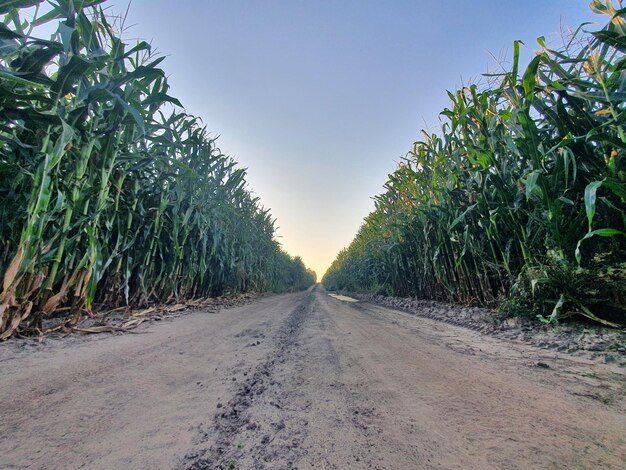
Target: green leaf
x=18, y=80
x=605, y=232
x=602, y=232
x=612, y=38
x=60, y=12
x=617, y=188
x=556, y=311
x=132, y=111
x=7, y=5
x=541, y=40
x=141, y=46
x=66, y=32
x=139, y=73
x=34, y=59
x=515, y=71
x=53, y=14
x=6, y=33
x=70, y=73
x=590, y=200
x=531, y=183
x=589, y=314
x=458, y=220
x=60, y=147
x=529, y=81
x=159, y=98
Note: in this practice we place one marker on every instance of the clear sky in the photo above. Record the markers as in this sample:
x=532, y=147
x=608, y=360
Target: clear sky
x=319, y=99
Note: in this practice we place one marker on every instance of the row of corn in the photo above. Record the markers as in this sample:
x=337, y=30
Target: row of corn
x=520, y=200
x=109, y=194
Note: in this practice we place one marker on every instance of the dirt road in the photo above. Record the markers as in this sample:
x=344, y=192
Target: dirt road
x=305, y=381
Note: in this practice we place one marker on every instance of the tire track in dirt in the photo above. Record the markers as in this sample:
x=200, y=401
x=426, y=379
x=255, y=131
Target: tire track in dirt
x=234, y=423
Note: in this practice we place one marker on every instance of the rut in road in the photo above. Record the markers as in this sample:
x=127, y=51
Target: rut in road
x=232, y=419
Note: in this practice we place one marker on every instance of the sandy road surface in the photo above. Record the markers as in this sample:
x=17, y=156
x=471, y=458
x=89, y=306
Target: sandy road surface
x=306, y=381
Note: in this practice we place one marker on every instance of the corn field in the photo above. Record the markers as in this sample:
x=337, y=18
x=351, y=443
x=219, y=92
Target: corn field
x=109, y=193
x=520, y=200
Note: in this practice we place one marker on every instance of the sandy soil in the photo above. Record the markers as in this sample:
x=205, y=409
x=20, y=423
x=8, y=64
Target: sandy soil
x=306, y=381
x=582, y=338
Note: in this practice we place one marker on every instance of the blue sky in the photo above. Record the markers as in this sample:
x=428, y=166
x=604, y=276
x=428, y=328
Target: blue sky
x=319, y=99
